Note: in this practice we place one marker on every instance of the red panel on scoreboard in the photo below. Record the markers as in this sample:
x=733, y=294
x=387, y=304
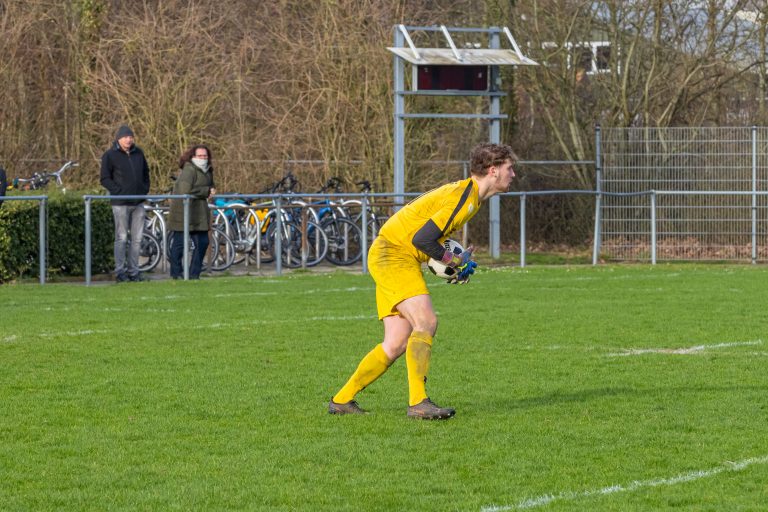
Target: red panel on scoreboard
x=459, y=78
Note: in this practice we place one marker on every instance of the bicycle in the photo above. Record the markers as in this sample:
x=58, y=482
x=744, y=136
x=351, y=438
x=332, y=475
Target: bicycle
x=40, y=180
x=375, y=217
x=221, y=251
x=243, y=223
x=156, y=241
x=303, y=240
x=253, y=225
x=344, y=235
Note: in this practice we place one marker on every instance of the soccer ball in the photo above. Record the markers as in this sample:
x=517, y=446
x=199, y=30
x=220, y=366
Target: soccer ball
x=439, y=268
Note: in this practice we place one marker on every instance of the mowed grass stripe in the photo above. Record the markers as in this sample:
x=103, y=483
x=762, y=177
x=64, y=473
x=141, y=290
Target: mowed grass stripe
x=212, y=395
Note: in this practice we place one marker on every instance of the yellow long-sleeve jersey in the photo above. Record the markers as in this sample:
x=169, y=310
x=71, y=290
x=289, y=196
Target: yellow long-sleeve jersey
x=449, y=207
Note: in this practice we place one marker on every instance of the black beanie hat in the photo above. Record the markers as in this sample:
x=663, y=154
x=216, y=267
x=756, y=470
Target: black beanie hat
x=123, y=131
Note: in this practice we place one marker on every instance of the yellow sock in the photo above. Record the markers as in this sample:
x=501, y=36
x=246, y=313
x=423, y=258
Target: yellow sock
x=417, y=355
x=373, y=365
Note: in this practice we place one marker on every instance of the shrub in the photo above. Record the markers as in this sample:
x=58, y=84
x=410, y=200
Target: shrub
x=65, y=237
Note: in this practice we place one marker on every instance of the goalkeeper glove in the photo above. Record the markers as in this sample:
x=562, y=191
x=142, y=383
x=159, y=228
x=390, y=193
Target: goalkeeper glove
x=462, y=263
x=465, y=271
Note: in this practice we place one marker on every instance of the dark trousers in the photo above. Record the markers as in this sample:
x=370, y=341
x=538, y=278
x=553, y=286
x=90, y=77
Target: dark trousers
x=198, y=242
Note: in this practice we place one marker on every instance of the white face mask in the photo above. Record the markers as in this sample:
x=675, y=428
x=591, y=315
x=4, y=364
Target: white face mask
x=202, y=163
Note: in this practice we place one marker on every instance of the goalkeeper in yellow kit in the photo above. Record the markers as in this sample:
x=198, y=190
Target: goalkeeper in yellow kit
x=410, y=237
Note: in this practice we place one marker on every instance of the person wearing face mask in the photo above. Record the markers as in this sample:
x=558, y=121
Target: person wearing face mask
x=195, y=179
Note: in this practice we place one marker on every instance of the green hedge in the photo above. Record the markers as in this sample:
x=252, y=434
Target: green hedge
x=19, y=237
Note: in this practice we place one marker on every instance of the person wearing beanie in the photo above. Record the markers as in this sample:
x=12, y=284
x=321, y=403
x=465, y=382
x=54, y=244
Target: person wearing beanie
x=125, y=172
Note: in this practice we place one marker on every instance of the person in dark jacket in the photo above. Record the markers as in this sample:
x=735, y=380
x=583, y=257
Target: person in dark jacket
x=195, y=179
x=124, y=172
x=3, y=184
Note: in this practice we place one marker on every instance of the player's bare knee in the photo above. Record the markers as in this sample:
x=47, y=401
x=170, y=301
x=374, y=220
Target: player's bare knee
x=426, y=324
x=394, y=348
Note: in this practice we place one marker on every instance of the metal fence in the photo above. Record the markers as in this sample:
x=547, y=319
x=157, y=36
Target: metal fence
x=42, y=229
x=710, y=201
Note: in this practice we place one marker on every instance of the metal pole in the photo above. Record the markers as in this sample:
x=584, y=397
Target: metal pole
x=653, y=227
x=278, y=237
x=399, y=120
x=522, y=230
x=465, y=228
x=304, y=237
x=42, y=227
x=754, y=195
x=185, y=259
x=88, y=248
x=364, y=227
x=494, y=213
x=258, y=243
x=164, y=233
x=598, y=196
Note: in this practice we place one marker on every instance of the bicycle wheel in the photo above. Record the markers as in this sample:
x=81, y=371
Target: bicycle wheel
x=251, y=227
x=149, y=254
x=267, y=242
x=344, y=242
x=222, y=251
x=291, y=240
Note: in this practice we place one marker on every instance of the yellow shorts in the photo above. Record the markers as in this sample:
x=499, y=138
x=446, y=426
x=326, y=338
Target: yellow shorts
x=397, y=275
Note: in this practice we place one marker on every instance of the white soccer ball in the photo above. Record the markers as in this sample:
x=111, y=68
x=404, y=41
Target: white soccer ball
x=439, y=268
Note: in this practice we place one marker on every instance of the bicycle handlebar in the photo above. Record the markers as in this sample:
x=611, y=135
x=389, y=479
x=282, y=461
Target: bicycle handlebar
x=39, y=180
x=332, y=183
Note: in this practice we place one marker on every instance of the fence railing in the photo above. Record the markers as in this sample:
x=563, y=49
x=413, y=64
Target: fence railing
x=279, y=202
x=88, y=250
x=656, y=227
x=41, y=228
x=711, y=237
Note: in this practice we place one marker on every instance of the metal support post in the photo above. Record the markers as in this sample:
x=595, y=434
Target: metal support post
x=185, y=259
x=278, y=236
x=494, y=124
x=399, y=120
x=754, y=195
x=304, y=238
x=653, y=227
x=522, y=230
x=465, y=228
x=42, y=228
x=364, y=227
x=88, y=248
x=598, y=198
x=258, y=243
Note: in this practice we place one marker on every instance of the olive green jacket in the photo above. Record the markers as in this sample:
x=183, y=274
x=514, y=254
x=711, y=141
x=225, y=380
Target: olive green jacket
x=195, y=182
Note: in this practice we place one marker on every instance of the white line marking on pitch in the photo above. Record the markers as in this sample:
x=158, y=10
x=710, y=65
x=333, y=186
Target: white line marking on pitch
x=302, y=292
x=327, y=318
x=684, y=350
x=217, y=325
x=546, y=499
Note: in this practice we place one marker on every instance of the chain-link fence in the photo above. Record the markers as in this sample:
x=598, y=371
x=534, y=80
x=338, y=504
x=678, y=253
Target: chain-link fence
x=712, y=203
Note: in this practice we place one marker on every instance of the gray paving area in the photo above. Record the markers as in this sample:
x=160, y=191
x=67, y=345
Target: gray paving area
x=160, y=274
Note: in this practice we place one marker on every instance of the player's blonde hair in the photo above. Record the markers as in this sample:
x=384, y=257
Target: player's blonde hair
x=487, y=155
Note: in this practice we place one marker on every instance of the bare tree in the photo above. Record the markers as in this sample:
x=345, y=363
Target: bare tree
x=662, y=63
x=262, y=82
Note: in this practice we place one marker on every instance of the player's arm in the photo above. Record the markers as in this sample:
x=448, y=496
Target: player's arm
x=427, y=241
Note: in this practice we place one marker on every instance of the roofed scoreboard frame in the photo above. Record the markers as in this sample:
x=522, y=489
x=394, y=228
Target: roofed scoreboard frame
x=452, y=71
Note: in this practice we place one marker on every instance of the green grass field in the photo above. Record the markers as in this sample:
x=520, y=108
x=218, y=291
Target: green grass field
x=607, y=388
